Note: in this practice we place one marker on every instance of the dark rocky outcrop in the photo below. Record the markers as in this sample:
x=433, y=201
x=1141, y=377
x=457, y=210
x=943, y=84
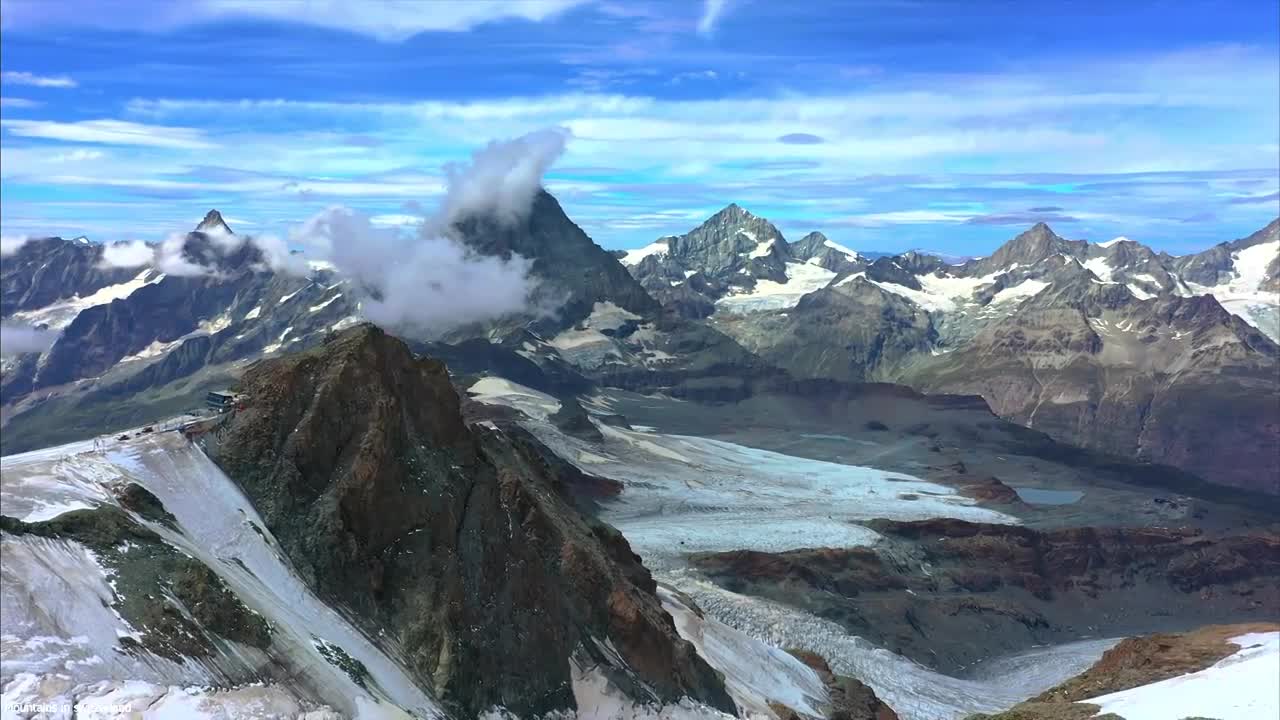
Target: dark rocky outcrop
x=459, y=542
x=1028, y=248
x=854, y=332
x=44, y=270
x=850, y=698
x=1214, y=265
x=1174, y=380
x=948, y=593
x=181, y=608
x=575, y=273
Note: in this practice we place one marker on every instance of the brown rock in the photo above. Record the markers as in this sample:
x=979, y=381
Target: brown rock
x=1144, y=660
x=460, y=543
x=851, y=699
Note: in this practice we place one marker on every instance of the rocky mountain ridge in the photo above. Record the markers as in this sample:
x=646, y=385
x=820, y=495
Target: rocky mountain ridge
x=1103, y=345
x=461, y=542
x=1099, y=344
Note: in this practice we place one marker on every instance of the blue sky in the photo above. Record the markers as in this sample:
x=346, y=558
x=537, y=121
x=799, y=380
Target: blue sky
x=887, y=124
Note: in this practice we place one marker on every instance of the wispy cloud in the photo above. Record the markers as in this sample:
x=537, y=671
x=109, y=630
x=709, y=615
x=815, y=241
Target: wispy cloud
x=1271, y=198
x=18, y=77
x=712, y=10
x=801, y=139
x=110, y=132
x=19, y=339
x=1029, y=217
x=20, y=103
x=389, y=20
x=77, y=156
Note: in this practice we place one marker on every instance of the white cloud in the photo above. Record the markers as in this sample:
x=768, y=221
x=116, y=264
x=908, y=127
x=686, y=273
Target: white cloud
x=19, y=103
x=110, y=132
x=502, y=178
x=168, y=257
x=387, y=20
x=424, y=284
x=711, y=12
x=9, y=244
x=14, y=77
x=170, y=260
x=77, y=156
x=909, y=217
x=18, y=339
x=392, y=20
x=396, y=220
x=431, y=282
x=129, y=254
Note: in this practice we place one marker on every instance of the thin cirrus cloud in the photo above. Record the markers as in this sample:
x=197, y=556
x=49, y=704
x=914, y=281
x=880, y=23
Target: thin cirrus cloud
x=18, y=77
x=712, y=10
x=1030, y=217
x=387, y=21
x=19, y=103
x=110, y=132
x=1271, y=198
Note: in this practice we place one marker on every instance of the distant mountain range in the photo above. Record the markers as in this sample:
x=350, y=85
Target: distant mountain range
x=1111, y=346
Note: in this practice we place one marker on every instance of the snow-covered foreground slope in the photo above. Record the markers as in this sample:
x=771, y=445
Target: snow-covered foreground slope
x=1244, y=686
x=61, y=635
x=63, y=642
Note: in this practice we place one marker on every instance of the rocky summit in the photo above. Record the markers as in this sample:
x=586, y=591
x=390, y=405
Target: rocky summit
x=460, y=543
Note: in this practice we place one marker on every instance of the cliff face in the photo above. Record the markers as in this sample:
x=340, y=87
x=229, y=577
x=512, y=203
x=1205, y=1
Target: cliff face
x=461, y=543
x=995, y=589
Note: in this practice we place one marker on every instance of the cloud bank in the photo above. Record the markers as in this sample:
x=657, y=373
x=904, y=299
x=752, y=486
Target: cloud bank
x=423, y=285
x=130, y=254
x=431, y=282
x=9, y=244
x=170, y=257
x=16, y=339
x=502, y=178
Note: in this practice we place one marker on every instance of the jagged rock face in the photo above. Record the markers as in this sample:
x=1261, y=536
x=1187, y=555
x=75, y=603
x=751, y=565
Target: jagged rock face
x=1175, y=380
x=730, y=241
x=102, y=335
x=887, y=270
x=855, y=332
x=1037, y=244
x=43, y=271
x=992, y=589
x=1214, y=265
x=460, y=542
x=817, y=248
x=162, y=341
x=575, y=272
x=731, y=253
x=851, y=699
